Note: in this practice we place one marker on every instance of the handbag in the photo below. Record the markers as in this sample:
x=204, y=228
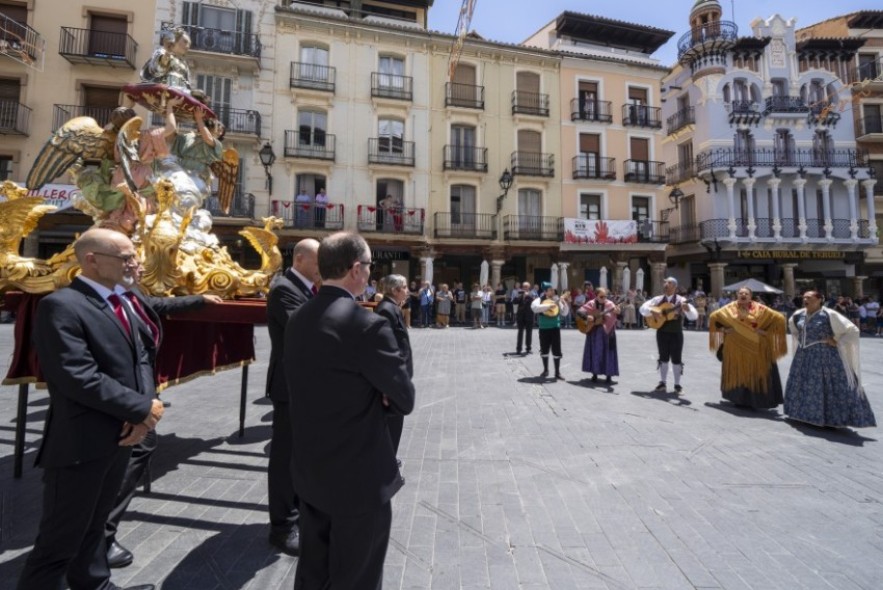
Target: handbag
x=720, y=352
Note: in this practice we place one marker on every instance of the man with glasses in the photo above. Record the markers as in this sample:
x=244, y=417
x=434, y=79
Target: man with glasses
x=102, y=401
x=345, y=375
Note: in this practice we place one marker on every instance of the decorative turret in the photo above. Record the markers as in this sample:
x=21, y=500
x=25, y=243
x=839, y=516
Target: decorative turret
x=709, y=37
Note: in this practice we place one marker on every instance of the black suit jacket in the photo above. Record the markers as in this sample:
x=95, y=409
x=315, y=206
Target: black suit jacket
x=339, y=360
x=388, y=309
x=287, y=293
x=155, y=307
x=91, y=370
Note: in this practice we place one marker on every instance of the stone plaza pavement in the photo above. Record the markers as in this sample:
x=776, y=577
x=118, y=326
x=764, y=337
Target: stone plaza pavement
x=513, y=483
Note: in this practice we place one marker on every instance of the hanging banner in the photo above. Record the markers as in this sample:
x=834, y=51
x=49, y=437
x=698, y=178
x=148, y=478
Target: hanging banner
x=60, y=195
x=600, y=231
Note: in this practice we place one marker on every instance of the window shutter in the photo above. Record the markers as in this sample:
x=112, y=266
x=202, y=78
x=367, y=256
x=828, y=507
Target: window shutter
x=243, y=30
x=190, y=14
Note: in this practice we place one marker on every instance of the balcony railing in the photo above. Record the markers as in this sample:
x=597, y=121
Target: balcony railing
x=469, y=96
x=815, y=229
x=241, y=207
x=680, y=172
x=459, y=157
x=15, y=118
x=591, y=110
x=823, y=113
x=533, y=227
x=478, y=226
x=308, y=215
x=868, y=125
x=20, y=41
x=314, y=76
x=634, y=115
x=394, y=220
x=773, y=158
x=530, y=103
x=533, y=164
x=315, y=145
x=868, y=72
x=62, y=113
x=653, y=231
x=85, y=46
x=222, y=41
x=243, y=121
x=785, y=104
x=684, y=234
x=392, y=86
x=644, y=171
x=390, y=150
x=681, y=119
x=716, y=34
x=594, y=166
x=744, y=111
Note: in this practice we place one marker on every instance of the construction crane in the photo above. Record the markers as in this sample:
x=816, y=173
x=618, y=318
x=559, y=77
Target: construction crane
x=466, y=11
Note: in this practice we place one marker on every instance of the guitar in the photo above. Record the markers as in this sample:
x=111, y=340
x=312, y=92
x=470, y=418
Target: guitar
x=586, y=325
x=666, y=311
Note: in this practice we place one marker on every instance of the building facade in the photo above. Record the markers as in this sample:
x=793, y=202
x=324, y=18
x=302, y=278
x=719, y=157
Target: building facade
x=768, y=179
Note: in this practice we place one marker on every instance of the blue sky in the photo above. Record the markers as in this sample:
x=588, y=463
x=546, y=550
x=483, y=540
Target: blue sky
x=512, y=21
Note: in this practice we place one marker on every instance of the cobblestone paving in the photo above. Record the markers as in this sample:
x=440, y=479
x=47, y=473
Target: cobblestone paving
x=514, y=483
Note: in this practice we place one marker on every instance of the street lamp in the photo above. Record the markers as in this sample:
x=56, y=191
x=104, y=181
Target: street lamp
x=505, y=185
x=675, y=195
x=267, y=158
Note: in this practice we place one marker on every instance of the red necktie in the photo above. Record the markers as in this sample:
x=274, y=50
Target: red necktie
x=143, y=315
x=117, y=304
x=314, y=289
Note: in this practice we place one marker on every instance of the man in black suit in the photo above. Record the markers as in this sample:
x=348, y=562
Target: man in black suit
x=524, y=318
x=150, y=333
x=345, y=373
x=102, y=401
x=287, y=293
x=395, y=293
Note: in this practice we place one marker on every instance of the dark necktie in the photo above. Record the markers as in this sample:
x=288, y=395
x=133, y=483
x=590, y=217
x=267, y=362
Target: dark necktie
x=314, y=289
x=143, y=315
x=117, y=305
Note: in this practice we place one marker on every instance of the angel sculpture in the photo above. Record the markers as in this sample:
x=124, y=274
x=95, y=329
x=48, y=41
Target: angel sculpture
x=167, y=64
x=19, y=215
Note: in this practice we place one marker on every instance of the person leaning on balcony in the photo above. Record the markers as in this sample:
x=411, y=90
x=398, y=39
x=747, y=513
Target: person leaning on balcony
x=321, y=204
x=303, y=209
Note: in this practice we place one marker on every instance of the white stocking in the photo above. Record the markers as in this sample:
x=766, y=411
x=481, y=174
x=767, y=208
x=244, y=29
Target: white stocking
x=677, y=370
x=663, y=371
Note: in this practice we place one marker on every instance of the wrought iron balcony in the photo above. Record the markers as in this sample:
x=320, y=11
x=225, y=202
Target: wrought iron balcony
x=784, y=104
x=469, y=96
x=763, y=229
x=680, y=172
x=19, y=41
x=644, y=171
x=867, y=74
x=681, y=119
x=394, y=220
x=530, y=103
x=634, y=115
x=221, y=41
x=654, y=231
x=392, y=86
x=533, y=164
x=477, y=226
x=314, y=144
x=314, y=76
x=746, y=112
x=534, y=228
x=823, y=113
x=62, y=113
x=594, y=166
x=388, y=149
x=15, y=118
x=85, y=46
x=308, y=215
x=711, y=36
x=591, y=110
x=241, y=121
x=684, y=234
x=241, y=207
x=772, y=158
x=460, y=157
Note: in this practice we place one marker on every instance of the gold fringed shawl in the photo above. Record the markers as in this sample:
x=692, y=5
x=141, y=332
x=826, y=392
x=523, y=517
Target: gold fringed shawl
x=748, y=354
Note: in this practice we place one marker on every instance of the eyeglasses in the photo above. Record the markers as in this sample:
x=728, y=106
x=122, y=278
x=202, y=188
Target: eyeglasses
x=367, y=263
x=126, y=258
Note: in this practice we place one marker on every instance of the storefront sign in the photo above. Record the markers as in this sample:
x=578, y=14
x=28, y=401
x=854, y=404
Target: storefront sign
x=791, y=254
x=60, y=195
x=390, y=255
x=600, y=231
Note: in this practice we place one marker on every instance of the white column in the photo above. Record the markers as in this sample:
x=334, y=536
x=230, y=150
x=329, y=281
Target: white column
x=825, y=184
x=717, y=278
x=425, y=265
x=617, y=275
x=496, y=272
x=800, y=185
x=563, y=269
x=657, y=275
x=872, y=213
x=858, y=289
x=788, y=275
x=749, y=198
x=731, y=203
x=851, y=183
x=773, y=184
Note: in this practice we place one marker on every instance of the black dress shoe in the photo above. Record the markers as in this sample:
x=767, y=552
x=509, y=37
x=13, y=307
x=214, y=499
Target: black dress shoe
x=287, y=542
x=559, y=376
x=139, y=587
x=118, y=556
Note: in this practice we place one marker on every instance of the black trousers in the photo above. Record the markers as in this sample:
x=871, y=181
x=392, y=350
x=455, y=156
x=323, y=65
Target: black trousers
x=525, y=334
x=670, y=345
x=138, y=463
x=395, y=424
x=550, y=339
x=281, y=497
x=71, y=548
x=342, y=552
